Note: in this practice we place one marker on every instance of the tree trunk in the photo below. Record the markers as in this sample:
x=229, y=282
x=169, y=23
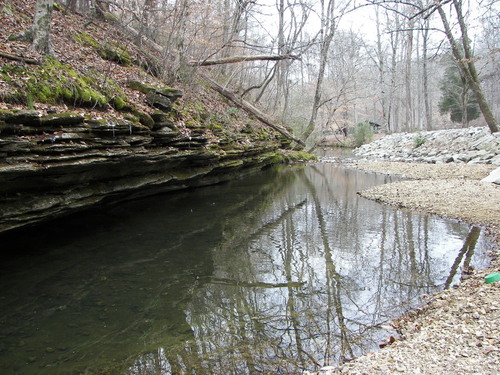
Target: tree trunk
x=145, y=21
x=393, y=120
x=328, y=29
x=463, y=103
x=71, y=5
x=41, y=27
x=381, y=70
x=409, y=118
x=249, y=108
x=425, y=74
x=280, y=67
x=466, y=63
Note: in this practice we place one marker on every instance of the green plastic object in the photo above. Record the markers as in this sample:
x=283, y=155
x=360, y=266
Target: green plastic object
x=492, y=277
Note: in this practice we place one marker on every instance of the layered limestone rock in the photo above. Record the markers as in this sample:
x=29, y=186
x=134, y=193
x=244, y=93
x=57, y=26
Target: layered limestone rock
x=55, y=164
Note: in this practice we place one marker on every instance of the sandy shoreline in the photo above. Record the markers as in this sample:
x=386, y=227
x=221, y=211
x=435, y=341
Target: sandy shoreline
x=457, y=331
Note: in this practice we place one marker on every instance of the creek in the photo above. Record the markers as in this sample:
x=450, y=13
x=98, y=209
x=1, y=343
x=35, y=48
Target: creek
x=277, y=272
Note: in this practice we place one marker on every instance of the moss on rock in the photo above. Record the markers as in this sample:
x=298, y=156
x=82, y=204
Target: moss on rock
x=55, y=83
x=299, y=156
x=145, y=119
x=111, y=51
x=116, y=53
x=120, y=103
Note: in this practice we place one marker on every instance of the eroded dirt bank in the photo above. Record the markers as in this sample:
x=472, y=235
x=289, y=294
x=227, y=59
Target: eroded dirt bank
x=456, y=331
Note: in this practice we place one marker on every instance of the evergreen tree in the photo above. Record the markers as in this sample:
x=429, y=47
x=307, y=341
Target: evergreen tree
x=457, y=99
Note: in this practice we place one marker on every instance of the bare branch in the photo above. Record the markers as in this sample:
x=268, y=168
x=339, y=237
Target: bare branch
x=237, y=59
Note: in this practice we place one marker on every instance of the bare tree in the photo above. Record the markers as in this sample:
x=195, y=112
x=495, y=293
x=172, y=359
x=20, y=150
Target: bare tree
x=409, y=116
x=466, y=59
x=425, y=75
x=327, y=32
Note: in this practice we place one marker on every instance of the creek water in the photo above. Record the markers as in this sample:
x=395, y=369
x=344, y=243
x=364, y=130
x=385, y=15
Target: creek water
x=275, y=273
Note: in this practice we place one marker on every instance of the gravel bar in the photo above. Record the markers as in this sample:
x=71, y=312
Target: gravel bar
x=456, y=331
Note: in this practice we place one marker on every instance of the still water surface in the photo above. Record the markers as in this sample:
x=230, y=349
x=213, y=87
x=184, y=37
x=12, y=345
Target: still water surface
x=275, y=273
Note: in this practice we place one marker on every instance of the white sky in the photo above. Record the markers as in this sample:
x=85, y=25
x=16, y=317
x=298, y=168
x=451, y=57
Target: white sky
x=362, y=20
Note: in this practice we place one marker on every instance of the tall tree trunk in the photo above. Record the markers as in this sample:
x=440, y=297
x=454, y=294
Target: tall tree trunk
x=328, y=30
x=41, y=27
x=409, y=118
x=466, y=63
x=175, y=47
x=145, y=21
x=425, y=77
x=463, y=103
x=393, y=103
x=381, y=70
x=280, y=67
x=71, y=5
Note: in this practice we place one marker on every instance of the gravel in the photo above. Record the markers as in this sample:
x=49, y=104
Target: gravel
x=456, y=331
x=450, y=190
x=422, y=171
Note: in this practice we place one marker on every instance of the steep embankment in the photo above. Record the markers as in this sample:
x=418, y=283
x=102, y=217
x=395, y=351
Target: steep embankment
x=97, y=122
x=470, y=145
x=48, y=169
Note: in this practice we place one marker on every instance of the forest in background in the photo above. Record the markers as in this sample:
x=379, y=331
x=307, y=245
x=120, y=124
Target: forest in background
x=322, y=66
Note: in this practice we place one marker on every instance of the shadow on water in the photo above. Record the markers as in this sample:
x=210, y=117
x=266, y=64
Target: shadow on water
x=274, y=273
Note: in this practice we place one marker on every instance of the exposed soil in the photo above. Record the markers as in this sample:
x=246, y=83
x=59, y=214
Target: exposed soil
x=457, y=331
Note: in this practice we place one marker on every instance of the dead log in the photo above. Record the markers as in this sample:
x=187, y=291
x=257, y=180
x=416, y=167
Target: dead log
x=20, y=58
x=237, y=59
x=251, y=109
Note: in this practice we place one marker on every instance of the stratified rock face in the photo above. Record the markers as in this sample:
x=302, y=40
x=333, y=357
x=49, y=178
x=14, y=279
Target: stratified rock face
x=471, y=145
x=56, y=164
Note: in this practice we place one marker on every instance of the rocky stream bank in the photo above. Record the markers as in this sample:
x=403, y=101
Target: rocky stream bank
x=469, y=145
x=53, y=164
x=99, y=121
x=456, y=331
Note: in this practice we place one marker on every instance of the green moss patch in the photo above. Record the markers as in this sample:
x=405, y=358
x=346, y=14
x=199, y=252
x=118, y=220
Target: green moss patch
x=116, y=53
x=111, y=51
x=86, y=39
x=55, y=82
x=299, y=156
x=145, y=119
x=120, y=104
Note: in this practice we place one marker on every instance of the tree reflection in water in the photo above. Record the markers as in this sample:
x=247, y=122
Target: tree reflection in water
x=276, y=273
x=306, y=275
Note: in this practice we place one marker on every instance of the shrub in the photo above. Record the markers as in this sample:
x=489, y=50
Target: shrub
x=420, y=140
x=362, y=134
